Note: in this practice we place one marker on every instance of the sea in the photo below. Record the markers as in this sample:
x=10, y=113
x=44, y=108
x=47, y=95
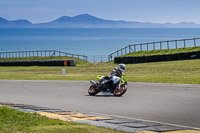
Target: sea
x=87, y=41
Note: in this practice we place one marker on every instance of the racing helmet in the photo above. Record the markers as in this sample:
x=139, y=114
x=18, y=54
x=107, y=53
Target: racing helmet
x=122, y=67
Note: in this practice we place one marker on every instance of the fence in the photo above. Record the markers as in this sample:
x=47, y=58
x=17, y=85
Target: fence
x=170, y=44
x=98, y=58
x=42, y=53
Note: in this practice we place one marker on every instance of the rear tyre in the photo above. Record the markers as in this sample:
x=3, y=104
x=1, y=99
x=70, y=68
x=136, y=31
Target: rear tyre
x=120, y=91
x=93, y=90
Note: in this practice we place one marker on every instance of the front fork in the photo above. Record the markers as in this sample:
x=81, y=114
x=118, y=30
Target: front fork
x=122, y=82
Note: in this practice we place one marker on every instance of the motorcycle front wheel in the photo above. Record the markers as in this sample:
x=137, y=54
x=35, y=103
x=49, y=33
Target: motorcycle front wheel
x=93, y=90
x=120, y=91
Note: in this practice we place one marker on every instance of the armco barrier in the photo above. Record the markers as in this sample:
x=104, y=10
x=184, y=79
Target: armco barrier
x=39, y=63
x=156, y=58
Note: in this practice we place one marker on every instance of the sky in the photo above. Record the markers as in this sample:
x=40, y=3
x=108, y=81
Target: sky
x=156, y=11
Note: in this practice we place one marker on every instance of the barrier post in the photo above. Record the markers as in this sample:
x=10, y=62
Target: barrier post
x=160, y=45
x=184, y=43
x=167, y=44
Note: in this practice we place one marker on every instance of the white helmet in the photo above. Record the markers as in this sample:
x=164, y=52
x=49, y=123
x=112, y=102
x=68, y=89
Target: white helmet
x=122, y=67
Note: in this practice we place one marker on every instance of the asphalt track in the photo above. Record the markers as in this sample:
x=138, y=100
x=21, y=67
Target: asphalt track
x=168, y=103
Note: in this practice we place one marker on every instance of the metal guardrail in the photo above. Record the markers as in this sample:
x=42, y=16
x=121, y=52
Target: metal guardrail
x=41, y=53
x=170, y=44
x=98, y=58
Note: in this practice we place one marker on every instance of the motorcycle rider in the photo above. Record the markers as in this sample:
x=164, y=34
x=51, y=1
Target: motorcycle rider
x=112, y=84
x=115, y=72
x=119, y=71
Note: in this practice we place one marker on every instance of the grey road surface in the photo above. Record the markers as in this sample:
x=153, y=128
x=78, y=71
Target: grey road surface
x=169, y=103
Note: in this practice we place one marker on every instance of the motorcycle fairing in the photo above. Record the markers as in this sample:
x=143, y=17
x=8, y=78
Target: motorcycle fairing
x=99, y=77
x=115, y=79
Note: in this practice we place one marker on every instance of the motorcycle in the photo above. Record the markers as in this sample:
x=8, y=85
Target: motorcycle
x=112, y=85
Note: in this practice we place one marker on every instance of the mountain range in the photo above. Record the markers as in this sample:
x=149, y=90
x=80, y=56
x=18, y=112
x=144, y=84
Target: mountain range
x=89, y=21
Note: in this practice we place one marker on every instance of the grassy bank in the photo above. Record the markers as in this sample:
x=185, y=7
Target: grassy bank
x=78, y=61
x=186, y=72
x=14, y=121
x=164, y=51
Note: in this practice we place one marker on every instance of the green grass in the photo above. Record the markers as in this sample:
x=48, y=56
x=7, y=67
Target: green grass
x=14, y=121
x=78, y=61
x=184, y=72
x=164, y=51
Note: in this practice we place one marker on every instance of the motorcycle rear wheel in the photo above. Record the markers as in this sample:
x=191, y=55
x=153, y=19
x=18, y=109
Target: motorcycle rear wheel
x=93, y=90
x=120, y=91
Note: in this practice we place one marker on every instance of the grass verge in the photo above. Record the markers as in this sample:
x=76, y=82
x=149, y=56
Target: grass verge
x=78, y=61
x=162, y=52
x=14, y=121
x=183, y=72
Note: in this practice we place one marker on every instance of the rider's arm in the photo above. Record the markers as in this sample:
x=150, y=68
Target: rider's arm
x=113, y=73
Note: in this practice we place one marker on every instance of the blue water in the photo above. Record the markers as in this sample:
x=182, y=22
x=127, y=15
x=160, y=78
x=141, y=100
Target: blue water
x=86, y=41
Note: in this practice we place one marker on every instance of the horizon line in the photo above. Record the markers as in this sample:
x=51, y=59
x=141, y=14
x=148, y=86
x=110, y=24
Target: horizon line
x=101, y=18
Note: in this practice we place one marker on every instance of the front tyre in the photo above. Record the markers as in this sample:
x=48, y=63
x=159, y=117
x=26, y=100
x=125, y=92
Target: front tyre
x=120, y=91
x=93, y=90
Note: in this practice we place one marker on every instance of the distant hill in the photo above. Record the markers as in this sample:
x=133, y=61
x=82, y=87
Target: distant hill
x=14, y=24
x=88, y=21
